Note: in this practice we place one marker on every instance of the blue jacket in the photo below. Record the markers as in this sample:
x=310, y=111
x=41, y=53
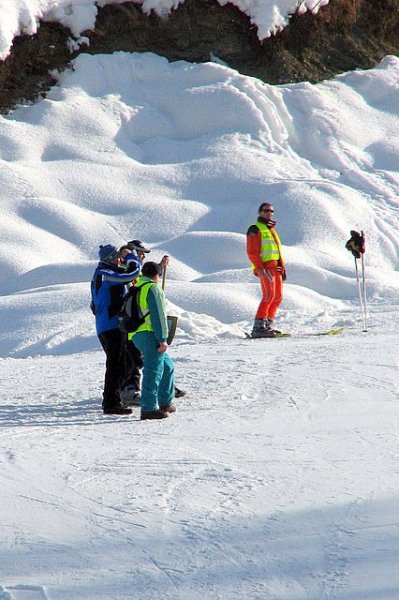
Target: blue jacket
x=108, y=288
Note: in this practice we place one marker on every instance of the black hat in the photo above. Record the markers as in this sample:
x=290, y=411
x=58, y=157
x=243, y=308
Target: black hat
x=149, y=269
x=137, y=245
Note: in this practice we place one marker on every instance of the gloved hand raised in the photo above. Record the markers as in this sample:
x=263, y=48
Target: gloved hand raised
x=356, y=244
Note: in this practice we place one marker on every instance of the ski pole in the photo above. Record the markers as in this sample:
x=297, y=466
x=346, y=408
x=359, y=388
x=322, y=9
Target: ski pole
x=359, y=291
x=172, y=320
x=164, y=277
x=357, y=245
x=364, y=295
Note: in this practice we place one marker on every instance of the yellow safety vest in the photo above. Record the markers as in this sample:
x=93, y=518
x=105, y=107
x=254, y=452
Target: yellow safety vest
x=144, y=307
x=270, y=244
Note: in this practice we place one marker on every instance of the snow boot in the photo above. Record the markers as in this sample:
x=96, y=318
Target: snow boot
x=169, y=408
x=117, y=409
x=179, y=393
x=153, y=414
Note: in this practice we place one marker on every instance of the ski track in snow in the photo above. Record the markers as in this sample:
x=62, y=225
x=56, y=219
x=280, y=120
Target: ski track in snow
x=23, y=592
x=235, y=508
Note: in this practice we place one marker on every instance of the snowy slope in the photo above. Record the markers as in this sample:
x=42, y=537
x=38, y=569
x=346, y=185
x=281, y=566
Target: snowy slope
x=181, y=155
x=277, y=477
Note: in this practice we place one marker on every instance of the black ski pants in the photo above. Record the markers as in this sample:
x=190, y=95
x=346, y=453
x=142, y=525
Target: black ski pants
x=113, y=343
x=134, y=363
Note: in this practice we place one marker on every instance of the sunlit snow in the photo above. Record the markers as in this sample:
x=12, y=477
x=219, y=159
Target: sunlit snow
x=181, y=155
x=277, y=477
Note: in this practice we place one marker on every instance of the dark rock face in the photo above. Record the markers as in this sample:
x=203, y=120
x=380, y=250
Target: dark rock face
x=344, y=35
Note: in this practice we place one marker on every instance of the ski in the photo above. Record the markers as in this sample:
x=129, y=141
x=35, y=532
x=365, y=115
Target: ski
x=336, y=331
x=283, y=335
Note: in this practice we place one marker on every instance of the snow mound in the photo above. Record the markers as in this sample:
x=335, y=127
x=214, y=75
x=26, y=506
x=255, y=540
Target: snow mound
x=180, y=155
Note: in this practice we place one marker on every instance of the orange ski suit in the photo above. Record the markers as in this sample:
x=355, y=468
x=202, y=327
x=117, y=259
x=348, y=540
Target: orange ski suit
x=271, y=280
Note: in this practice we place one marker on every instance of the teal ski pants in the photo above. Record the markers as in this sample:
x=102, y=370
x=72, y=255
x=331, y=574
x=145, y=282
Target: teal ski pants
x=157, y=385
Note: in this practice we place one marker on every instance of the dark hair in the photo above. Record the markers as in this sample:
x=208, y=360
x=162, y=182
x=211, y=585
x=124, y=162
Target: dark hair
x=262, y=205
x=149, y=269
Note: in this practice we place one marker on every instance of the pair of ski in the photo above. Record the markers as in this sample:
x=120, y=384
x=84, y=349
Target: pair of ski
x=336, y=331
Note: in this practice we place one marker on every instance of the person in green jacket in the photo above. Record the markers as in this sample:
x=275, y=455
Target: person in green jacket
x=131, y=395
x=157, y=387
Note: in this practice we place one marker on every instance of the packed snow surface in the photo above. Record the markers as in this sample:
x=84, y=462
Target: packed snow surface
x=24, y=16
x=277, y=477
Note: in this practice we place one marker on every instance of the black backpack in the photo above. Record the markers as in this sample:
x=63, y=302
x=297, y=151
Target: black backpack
x=131, y=315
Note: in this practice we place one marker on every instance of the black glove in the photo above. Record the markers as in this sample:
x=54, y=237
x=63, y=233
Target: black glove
x=356, y=244
x=132, y=266
x=281, y=269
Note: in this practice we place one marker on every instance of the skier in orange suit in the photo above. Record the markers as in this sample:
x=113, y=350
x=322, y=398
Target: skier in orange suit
x=265, y=254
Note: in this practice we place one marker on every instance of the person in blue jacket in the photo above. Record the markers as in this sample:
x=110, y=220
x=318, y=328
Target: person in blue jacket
x=108, y=288
x=157, y=388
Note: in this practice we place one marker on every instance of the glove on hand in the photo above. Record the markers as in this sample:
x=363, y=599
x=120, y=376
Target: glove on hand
x=264, y=273
x=281, y=270
x=356, y=244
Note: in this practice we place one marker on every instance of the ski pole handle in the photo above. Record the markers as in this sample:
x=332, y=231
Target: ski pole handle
x=165, y=261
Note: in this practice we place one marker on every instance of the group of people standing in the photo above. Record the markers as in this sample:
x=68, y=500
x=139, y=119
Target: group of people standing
x=129, y=352
x=146, y=347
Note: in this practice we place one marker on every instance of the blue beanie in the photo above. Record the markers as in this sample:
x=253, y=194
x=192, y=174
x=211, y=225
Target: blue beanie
x=107, y=253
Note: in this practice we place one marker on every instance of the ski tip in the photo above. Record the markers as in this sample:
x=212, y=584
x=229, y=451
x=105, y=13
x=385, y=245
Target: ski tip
x=336, y=331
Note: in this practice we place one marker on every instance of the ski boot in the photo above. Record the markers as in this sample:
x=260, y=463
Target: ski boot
x=260, y=330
